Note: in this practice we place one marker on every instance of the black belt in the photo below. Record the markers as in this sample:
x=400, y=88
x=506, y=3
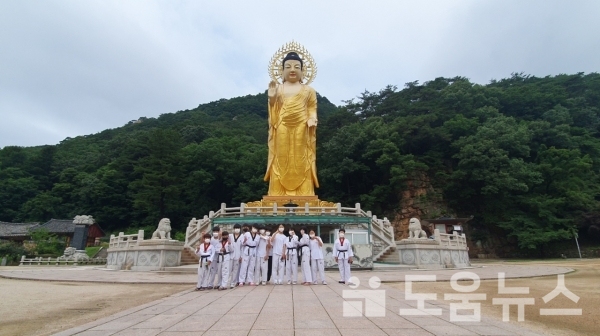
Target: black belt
x=301, y=248
x=287, y=257
x=248, y=246
x=203, y=257
x=344, y=251
x=221, y=255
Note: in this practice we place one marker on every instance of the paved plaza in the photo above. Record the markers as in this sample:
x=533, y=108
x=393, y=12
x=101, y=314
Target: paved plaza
x=285, y=310
x=98, y=274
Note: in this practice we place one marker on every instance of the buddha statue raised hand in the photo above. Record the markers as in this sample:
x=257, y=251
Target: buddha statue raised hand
x=291, y=167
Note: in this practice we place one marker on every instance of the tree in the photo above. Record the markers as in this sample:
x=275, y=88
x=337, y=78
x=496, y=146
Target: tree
x=156, y=192
x=46, y=242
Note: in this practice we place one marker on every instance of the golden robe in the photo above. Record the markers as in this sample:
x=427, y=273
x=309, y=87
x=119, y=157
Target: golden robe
x=291, y=168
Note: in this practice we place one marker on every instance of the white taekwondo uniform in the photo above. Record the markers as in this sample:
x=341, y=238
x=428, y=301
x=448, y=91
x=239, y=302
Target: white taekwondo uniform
x=216, y=243
x=343, y=251
x=262, y=264
x=223, y=257
x=249, y=246
x=317, y=263
x=205, y=252
x=278, y=264
x=291, y=259
x=304, y=250
x=235, y=258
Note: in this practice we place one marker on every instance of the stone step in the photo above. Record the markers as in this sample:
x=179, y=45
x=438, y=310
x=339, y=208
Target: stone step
x=390, y=257
x=377, y=266
x=184, y=269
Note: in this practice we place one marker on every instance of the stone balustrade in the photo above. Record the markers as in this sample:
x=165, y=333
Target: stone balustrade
x=382, y=232
x=453, y=239
x=125, y=241
x=60, y=261
x=132, y=252
x=443, y=251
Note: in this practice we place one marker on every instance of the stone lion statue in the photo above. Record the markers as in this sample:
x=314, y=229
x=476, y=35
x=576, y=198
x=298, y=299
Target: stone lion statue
x=71, y=253
x=164, y=229
x=415, y=230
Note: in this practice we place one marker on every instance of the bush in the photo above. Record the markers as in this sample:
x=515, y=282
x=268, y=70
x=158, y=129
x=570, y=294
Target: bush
x=11, y=250
x=179, y=236
x=47, y=243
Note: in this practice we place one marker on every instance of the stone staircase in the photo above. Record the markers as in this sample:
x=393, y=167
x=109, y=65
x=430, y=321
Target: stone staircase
x=188, y=258
x=391, y=256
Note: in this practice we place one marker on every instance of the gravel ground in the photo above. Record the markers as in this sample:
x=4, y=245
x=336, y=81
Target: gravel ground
x=43, y=308
x=584, y=282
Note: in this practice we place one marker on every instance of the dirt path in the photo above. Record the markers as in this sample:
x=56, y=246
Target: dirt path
x=584, y=282
x=43, y=308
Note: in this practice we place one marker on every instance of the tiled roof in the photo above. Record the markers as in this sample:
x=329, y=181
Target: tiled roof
x=16, y=229
x=59, y=226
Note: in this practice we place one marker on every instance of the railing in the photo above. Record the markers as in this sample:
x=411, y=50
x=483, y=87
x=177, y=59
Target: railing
x=380, y=228
x=39, y=261
x=125, y=241
x=452, y=240
x=195, y=227
x=383, y=229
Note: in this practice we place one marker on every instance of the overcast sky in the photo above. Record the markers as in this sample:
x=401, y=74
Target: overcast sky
x=70, y=68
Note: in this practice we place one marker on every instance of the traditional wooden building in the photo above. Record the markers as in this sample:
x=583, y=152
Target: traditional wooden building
x=63, y=228
x=17, y=232
x=66, y=228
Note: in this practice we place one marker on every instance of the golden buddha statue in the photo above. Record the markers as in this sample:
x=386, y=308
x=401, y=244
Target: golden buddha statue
x=291, y=167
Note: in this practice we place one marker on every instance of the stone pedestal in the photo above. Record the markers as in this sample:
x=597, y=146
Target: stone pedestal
x=145, y=255
x=300, y=201
x=431, y=254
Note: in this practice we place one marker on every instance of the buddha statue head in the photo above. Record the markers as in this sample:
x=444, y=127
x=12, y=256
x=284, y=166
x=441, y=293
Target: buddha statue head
x=292, y=68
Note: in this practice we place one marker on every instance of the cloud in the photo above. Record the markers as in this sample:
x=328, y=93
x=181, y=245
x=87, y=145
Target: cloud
x=71, y=68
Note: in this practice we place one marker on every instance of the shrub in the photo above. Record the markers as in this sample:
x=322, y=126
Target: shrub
x=11, y=250
x=47, y=243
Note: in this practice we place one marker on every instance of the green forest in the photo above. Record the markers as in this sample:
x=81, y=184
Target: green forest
x=521, y=155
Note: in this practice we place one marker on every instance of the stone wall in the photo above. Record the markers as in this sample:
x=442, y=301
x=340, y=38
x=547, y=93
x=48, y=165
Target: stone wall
x=363, y=256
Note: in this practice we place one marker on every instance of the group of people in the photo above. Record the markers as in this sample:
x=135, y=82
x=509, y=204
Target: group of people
x=251, y=255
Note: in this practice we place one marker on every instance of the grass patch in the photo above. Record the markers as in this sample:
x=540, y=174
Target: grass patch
x=92, y=250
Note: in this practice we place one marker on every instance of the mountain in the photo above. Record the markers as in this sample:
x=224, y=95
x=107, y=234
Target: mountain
x=521, y=155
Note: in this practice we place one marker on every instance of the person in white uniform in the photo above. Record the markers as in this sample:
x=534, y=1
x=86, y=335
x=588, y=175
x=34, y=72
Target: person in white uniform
x=235, y=239
x=304, y=251
x=270, y=262
x=342, y=252
x=215, y=241
x=223, y=259
x=262, y=257
x=291, y=257
x=249, y=246
x=317, y=263
x=205, y=252
x=278, y=243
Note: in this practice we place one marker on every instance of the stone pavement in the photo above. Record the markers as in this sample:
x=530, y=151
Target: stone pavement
x=98, y=274
x=285, y=310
